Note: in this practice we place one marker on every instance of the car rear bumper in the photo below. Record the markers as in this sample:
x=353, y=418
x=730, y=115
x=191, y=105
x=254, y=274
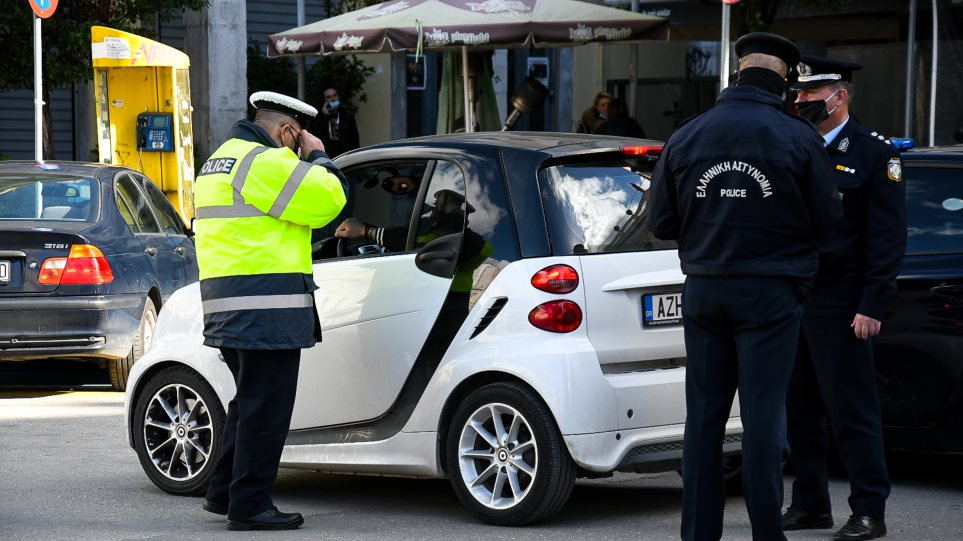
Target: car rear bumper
x=84, y=326
x=641, y=450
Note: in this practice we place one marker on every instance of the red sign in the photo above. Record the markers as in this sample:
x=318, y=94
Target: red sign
x=44, y=8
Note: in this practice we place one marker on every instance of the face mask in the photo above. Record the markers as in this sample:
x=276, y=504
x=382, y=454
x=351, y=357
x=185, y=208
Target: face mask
x=815, y=111
x=334, y=104
x=603, y=116
x=297, y=142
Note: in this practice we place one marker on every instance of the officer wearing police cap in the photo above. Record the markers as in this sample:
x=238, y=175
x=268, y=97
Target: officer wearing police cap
x=257, y=199
x=834, y=376
x=743, y=188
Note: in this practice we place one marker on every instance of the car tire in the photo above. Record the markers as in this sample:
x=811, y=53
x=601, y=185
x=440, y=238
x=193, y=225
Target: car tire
x=119, y=369
x=496, y=482
x=178, y=421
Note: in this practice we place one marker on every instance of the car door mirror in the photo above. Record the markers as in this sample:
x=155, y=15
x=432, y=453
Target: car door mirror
x=440, y=256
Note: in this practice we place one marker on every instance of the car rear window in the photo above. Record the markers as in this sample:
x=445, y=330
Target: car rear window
x=934, y=210
x=48, y=198
x=599, y=206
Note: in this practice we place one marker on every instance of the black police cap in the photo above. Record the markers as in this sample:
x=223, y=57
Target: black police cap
x=770, y=44
x=818, y=70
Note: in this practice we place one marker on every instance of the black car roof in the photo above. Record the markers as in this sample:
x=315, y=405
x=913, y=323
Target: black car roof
x=949, y=153
x=555, y=144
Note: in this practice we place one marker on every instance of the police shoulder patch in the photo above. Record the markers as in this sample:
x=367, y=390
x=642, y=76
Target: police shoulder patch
x=894, y=169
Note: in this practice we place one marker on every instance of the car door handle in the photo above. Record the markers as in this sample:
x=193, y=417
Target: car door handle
x=428, y=256
x=948, y=292
x=151, y=251
x=179, y=250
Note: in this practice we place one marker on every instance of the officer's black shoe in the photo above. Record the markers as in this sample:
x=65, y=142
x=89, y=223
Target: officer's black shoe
x=797, y=519
x=861, y=527
x=214, y=507
x=272, y=519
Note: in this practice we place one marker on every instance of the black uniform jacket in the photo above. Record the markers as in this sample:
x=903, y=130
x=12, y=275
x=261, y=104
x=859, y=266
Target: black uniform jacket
x=744, y=189
x=869, y=243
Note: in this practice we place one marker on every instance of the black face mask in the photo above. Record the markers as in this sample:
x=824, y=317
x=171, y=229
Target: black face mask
x=814, y=111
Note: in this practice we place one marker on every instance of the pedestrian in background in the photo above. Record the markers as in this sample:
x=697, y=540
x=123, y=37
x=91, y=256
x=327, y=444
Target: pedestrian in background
x=619, y=122
x=834, y=377
x=596, y=114
x=257, y=202
x=335, y=126
x=743, y=187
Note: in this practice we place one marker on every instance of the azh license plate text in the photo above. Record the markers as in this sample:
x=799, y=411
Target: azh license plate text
x=662, y=309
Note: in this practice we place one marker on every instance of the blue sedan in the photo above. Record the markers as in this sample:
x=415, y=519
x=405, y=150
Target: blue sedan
x=89, y=253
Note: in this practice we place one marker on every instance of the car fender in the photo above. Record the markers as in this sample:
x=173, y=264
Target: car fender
x=552, y=364
x=179, y=339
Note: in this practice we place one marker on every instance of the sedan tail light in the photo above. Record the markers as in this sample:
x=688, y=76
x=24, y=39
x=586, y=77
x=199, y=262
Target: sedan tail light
x=556, y=316
x=556, y=279
x=85, y=264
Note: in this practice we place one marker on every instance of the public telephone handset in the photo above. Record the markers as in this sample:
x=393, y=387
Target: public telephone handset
x=155, y=132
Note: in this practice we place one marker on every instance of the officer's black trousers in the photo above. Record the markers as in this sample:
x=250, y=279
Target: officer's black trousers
x=258, y=419
x=835, y=377
x=739, y=332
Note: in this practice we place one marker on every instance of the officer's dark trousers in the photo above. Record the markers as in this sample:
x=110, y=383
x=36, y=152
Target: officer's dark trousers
x=835, y=377
x=258, y=419
x=739, y=332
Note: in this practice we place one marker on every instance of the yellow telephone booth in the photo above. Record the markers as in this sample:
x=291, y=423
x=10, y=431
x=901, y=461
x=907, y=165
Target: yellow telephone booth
x=144, y=111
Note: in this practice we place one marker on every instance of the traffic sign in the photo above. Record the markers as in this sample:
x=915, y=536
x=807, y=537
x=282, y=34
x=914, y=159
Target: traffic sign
x=43, y=8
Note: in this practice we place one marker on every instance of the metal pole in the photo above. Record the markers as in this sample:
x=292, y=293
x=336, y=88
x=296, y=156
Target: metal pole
x=37, y=92
x=910, y=71
x=724, y=49
x=633, y=63
x=933, y=80
x=301, y=65
x=469, y=114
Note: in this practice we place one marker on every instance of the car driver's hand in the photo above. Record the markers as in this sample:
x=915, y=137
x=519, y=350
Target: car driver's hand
x=865, y=327
x=310, y=143
x=352, y=228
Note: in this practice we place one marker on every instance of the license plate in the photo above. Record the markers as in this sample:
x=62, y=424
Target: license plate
x=662, y=309
x=4, y=272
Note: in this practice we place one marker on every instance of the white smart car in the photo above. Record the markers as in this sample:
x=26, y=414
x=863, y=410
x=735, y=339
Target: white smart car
x=516, y=327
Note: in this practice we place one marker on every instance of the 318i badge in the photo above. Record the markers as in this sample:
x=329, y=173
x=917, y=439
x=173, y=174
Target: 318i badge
x=661, y=309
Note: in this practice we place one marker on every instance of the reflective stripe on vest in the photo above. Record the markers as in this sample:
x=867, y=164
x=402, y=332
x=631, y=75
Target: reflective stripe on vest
x=257, y=302
x=240, y=209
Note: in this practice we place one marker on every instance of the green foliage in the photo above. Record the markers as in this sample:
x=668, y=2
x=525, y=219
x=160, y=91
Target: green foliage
x=66, y=35
x=759, y=15
x=274, y=74
x=347, y=74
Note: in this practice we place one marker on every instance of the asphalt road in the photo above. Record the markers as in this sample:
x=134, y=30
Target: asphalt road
x=66, y=472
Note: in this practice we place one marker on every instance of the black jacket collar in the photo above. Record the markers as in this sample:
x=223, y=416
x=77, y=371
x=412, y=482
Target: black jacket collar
x=749, y=93
x=249, y=131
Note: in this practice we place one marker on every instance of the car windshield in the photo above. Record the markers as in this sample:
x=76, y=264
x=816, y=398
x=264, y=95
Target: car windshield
x=599, y=206
x=48, y=197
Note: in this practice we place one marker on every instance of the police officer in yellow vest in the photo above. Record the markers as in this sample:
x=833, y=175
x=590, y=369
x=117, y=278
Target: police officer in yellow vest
x=257, y=199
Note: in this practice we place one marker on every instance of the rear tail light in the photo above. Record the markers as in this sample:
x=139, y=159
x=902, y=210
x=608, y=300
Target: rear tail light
x=556, y=279
x=85, y=264
x=556, y=316
x=643, y=150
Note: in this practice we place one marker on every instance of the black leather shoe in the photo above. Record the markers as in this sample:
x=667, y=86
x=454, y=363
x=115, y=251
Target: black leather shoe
x=797, y=519
x=861, y=527
x=272, y=519
x=213, y=507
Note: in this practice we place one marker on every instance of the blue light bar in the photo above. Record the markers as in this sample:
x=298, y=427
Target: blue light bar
x=902, y=143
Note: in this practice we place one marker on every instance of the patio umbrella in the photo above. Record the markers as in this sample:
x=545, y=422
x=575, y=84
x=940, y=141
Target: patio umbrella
x=463, y=25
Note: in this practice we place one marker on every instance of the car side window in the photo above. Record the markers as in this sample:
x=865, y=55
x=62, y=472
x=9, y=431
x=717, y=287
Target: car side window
x=443, y=212
x=385, y=195
x=138, y=210
x=934, y=210
x=170, y=221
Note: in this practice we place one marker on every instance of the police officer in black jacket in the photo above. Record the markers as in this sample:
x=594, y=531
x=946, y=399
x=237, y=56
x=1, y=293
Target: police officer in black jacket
x=744, y=190
x=834, y=375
